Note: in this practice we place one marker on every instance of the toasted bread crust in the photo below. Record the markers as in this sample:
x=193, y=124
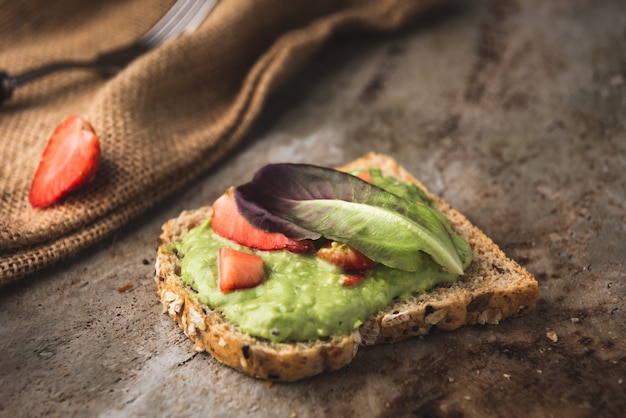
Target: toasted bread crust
x=493, y=288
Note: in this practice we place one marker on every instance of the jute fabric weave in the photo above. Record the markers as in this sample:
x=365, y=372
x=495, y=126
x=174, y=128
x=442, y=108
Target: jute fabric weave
x=164, y=120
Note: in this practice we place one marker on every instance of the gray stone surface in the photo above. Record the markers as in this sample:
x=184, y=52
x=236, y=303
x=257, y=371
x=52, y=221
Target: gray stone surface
x=515, y=112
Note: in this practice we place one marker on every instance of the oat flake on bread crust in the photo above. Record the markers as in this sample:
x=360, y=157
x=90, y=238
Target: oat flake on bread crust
x=493, y=288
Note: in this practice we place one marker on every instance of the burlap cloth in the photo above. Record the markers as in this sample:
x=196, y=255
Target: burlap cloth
x=164, y=120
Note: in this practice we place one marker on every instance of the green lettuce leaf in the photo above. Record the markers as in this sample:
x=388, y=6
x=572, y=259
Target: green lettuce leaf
x=308, y=202
x=415, y=194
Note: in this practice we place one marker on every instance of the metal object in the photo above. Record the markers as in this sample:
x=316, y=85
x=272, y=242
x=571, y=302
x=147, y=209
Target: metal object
x=184, y=16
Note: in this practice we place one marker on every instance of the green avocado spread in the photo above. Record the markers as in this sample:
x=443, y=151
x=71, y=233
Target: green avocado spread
x=303, y=297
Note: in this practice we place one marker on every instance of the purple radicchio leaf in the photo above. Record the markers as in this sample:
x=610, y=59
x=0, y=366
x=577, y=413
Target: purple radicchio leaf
x=307, y=202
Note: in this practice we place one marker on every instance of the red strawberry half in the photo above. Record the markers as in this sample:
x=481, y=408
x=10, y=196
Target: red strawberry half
x=239, y=270
x=228, y=223
x=69, y=161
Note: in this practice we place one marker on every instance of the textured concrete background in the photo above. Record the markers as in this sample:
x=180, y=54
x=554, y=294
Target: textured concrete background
x=513, y=111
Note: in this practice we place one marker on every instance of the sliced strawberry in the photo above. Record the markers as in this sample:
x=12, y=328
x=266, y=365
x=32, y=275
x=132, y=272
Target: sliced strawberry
x=353, y=279
x=69, y=161
x=365, y=175
x=239, y=270
x=228, y=223
x=346, y=257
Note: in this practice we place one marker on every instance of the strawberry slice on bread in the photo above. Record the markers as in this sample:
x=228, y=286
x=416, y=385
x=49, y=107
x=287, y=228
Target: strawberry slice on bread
x=229, y=223
x=239, y=270
x=346, y=257
x=70, y=160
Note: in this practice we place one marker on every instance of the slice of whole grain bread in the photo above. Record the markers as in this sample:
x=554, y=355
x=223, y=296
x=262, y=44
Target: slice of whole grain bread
x=493, y=288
